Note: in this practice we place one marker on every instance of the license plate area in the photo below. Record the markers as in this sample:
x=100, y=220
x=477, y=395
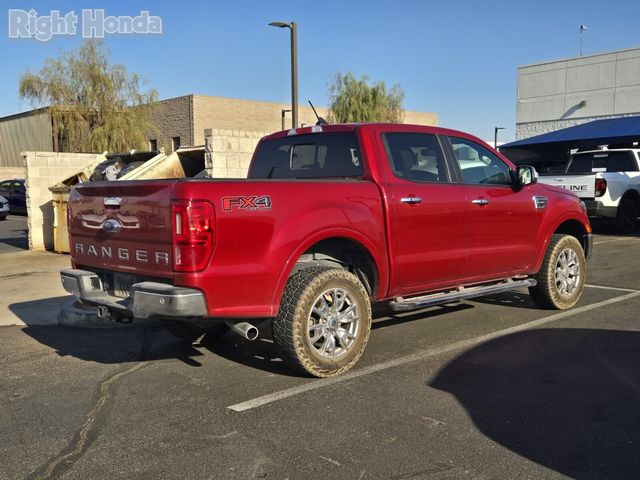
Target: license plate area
x=119, y=284
x=122, y=283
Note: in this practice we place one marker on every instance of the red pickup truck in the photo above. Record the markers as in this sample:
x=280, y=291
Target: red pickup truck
x=331, y=219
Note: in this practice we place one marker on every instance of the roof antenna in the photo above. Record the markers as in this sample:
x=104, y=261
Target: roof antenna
x=321, y=121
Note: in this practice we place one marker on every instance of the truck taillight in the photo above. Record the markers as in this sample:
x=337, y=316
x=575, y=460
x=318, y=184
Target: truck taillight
x=601, y=186
x=69, y=220
x=193, y=223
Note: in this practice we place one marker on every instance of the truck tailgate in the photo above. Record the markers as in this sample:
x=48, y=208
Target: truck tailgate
x=582, y=185
x=122, y=226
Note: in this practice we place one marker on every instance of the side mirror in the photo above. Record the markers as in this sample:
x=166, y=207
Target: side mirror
x=526, y=175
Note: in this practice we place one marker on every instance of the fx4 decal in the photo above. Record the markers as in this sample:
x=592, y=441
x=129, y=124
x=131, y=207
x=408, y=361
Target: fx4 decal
x=246, y=203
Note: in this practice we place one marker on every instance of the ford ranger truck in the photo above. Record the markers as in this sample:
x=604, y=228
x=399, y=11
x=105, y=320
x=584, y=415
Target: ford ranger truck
x=608, y=181
x=331, y=219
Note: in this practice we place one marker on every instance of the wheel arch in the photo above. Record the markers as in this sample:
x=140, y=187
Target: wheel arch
x=344, y=249
x=566, y=226
x=572, y=227
x=632, y=194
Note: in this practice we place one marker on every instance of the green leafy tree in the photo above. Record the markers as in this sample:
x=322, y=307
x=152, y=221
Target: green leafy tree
x=95, y=106
x=356, y=100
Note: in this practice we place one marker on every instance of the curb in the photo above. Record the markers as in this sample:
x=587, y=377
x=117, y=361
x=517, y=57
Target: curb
x=74, y=314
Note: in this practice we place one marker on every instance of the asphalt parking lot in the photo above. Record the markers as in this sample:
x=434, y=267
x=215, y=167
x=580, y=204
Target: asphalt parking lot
x=14, y=234
x=492, y=388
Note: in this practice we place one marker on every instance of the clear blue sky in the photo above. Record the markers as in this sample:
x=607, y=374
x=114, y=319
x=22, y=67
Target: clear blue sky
x=455, y=58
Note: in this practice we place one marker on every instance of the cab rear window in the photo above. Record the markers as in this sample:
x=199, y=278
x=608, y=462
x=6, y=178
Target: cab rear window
x=602, y=162
x=320, y=155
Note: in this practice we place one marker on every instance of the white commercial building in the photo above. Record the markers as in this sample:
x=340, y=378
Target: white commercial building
x=563, y=93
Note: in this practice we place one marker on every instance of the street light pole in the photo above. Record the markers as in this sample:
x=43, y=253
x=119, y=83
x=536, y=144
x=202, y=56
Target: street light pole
x=582, y=29
x=294, y=74
x=495, y=136
x=294, y=68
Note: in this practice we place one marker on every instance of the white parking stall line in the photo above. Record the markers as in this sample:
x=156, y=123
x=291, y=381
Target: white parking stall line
x=317, y=384
x=614, y=240
x=615, y=289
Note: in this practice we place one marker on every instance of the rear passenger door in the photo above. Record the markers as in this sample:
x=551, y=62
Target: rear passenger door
x=501, y=221
x=426, y=214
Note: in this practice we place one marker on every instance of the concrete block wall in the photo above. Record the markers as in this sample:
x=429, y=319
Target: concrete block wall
x=238, y=125
x=43, y=170
x=244, y=115
x=232, y=151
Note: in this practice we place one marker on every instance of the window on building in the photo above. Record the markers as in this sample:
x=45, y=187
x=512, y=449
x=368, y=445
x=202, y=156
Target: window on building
x=62, y=140
x=153, y=145
x=175, y=143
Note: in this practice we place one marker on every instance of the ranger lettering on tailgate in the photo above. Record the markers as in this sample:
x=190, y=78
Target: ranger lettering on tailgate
x=142, y=256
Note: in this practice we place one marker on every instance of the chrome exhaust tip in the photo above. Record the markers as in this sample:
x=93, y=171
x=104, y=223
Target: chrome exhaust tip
x=244, y=329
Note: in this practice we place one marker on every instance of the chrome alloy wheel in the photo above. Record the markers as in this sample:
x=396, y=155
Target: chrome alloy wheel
x=567, y=274
x=333, y=323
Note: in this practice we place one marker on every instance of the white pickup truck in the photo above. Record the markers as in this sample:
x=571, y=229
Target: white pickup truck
x=608, y=181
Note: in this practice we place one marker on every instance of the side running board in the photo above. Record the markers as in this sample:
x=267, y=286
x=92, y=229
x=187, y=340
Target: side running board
x=401, y=304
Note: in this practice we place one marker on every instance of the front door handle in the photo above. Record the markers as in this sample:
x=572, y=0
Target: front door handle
x=411, y=200
x=480, y=201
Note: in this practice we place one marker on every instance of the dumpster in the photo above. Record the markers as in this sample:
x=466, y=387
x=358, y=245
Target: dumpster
x=184, y=162
x=60, y=193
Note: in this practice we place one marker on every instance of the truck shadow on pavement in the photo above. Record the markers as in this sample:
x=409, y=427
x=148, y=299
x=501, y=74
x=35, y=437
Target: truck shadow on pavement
x=508, y=299
x=262, y=354
x=114, y=345
x=153, y=342
x=566, y=399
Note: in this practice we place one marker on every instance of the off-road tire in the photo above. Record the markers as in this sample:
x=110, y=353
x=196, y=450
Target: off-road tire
x=191, y=331
x=546, y=294
x=289, y=327
x=626, y=220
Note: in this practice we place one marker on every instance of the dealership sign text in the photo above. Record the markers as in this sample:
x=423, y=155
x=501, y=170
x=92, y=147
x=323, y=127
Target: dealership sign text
x=95, y=23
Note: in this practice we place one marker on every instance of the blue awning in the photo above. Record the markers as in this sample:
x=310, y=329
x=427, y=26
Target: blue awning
x=598, y=132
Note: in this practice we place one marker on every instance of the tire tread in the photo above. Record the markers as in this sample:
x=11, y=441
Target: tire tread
x=543, y=293
x=286, y=337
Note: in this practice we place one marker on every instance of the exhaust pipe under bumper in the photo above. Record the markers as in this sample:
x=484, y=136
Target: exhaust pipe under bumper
x=244, y=329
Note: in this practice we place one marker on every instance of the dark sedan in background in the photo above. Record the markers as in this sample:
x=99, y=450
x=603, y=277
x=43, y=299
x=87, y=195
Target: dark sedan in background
x=15, y=192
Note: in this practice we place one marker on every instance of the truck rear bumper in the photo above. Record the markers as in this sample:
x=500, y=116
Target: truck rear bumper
x=148, y=299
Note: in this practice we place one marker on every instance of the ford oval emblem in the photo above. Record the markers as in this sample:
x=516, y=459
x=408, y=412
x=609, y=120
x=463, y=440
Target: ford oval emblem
x=112, y=226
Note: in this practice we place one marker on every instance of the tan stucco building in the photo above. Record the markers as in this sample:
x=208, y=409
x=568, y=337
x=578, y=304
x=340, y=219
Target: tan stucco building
x=236, y=125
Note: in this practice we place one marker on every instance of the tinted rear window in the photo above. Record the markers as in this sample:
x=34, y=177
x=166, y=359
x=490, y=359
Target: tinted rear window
x=319, y=155
x=603, y=162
